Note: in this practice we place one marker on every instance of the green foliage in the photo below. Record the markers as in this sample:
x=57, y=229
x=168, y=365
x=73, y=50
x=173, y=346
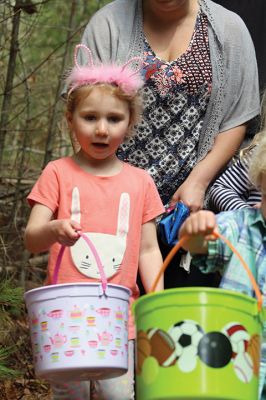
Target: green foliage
x=11, y=299
x=11, y=305
x=5, y=372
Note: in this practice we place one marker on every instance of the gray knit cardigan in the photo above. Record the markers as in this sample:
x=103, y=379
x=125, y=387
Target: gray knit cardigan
x=114, y=33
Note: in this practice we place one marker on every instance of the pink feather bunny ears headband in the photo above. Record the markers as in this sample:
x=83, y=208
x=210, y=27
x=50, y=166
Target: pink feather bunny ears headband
x=124, y=76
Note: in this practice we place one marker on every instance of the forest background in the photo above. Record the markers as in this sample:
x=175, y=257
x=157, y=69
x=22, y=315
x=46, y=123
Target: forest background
x=37, y=38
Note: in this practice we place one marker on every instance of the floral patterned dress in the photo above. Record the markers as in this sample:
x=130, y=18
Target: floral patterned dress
x=176, y=96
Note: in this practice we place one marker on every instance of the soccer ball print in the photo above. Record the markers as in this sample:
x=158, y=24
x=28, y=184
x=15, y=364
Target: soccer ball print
x=186, y=336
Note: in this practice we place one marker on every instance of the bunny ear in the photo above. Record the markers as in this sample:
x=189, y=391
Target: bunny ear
x=132, y=61
x=90, y=59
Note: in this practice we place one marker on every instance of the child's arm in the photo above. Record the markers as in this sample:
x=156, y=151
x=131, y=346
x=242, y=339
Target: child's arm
x=150, y=260
x=199, y=227
x=42, y=230
x=233, y=189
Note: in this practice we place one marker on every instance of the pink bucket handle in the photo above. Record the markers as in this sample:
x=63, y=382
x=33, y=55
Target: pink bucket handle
x=95, y=254
x=229, y=244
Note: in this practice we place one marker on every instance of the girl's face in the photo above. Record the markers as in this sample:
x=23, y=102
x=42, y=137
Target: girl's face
x=99, y=122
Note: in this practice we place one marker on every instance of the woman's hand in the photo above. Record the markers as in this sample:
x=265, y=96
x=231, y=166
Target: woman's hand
x=191, y=194
x=65, y=231
x=192, y=191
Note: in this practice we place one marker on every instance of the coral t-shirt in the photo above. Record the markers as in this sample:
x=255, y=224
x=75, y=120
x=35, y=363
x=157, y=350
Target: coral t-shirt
x=111, y=211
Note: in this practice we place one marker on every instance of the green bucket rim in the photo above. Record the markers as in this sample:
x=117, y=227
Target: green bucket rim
x=251, y=304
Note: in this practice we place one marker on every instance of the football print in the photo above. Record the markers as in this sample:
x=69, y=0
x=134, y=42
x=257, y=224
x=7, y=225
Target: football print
x=162, y=347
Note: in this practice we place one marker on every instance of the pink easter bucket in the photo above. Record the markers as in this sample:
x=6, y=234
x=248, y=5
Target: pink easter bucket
x=79, y=330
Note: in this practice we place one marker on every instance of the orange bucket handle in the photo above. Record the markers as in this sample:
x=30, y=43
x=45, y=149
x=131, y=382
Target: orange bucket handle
x=180, y=243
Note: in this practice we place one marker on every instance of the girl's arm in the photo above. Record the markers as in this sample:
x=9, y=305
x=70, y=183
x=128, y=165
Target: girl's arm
x=42, y=230
x=199, y=228
x=192, y=191
x=150, y=260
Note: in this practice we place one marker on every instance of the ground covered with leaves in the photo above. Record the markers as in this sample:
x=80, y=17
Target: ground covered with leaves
x=25, y=389
x=22, y=383
x=17, y=378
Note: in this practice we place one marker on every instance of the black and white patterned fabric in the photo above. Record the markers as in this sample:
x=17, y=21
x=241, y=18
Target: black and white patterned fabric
x=176, y=96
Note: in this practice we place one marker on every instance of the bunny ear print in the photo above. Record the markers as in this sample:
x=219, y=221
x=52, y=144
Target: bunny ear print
x=123, y=216
x=132, y=61
x=90, y=59
x=75, y=205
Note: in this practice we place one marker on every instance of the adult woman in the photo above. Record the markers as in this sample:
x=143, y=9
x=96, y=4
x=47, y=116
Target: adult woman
x=201, y=81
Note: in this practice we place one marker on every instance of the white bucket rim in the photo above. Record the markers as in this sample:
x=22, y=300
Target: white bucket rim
x=74, y=284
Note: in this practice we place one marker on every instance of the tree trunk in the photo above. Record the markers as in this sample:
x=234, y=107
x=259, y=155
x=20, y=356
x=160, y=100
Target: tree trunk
x=14, y=48
x=53, y=120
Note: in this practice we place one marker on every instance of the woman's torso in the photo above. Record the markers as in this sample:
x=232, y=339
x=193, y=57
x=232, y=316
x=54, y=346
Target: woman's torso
x=176, y=96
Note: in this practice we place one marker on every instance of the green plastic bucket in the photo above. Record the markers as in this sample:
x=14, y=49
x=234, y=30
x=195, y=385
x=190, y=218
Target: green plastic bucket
x=197, y=343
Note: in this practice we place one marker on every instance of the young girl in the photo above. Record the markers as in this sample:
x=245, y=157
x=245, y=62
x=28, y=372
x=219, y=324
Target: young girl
x=246, y=230
x=94, y=192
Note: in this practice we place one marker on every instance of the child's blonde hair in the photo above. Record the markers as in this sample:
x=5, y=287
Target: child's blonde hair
x=133, y=100
x=257, y=167
x=246, y=150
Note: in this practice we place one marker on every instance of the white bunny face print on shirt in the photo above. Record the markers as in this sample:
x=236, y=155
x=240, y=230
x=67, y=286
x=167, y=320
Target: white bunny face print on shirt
x=110, y=248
